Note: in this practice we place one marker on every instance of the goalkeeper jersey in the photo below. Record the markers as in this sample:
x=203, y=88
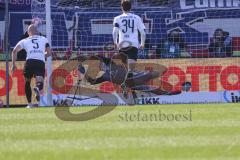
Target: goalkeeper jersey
x=129, y=25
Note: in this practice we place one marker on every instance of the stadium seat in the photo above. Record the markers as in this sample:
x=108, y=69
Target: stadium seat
x=236, y=46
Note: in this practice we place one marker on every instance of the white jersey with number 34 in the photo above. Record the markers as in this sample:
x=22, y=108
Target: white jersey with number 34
x=35, y=47
x=128, y=24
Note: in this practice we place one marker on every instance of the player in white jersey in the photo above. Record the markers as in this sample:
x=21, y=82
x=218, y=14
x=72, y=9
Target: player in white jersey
x=37, y=48
x=126, y=28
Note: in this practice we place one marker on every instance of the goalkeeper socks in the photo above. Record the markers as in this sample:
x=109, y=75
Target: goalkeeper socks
x=28, y=91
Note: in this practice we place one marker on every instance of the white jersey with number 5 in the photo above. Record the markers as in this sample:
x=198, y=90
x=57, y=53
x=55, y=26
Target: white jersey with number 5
x=128, y=24
x=35, y=47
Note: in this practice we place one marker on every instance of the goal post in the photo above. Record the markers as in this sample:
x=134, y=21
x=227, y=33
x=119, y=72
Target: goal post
x=6, y=50
x=49, y=59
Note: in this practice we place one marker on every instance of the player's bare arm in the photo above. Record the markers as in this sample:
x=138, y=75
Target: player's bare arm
x=143, y=39
x=48, y=52
x=142, y=31
x=115, y=35
x=16, y=49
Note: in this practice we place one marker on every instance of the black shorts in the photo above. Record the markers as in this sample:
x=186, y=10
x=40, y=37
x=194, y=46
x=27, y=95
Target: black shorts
x=131, y=52
x=33, y=68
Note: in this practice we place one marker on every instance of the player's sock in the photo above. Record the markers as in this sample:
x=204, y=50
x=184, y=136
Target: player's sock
x=40, y=85
x=38, y=89
x=28, y=92
x=37, y=93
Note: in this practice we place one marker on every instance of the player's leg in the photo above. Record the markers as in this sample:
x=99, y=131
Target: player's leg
x=39, y=73
x=27, y=72
x=119, y=70
x=39, y=87
x=132, y=67
x=28, y=92
x=131, y=53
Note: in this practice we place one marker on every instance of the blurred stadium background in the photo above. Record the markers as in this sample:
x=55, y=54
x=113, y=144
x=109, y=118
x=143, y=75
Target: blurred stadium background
x=83, y=27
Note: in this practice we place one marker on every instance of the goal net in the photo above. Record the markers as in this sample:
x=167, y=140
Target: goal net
x=197, y=41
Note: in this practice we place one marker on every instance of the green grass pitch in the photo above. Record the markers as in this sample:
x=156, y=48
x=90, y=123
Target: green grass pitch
x=213, y=133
